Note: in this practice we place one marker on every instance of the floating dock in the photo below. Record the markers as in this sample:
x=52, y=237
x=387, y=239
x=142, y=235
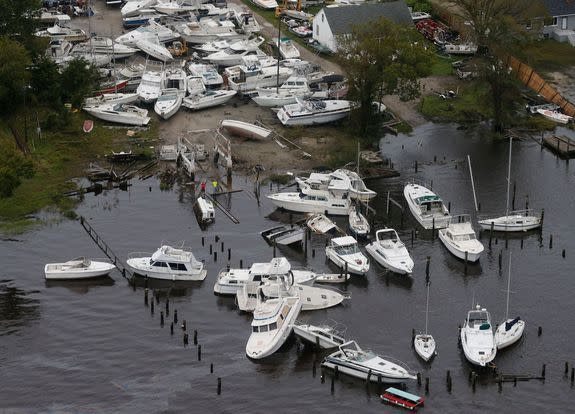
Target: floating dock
x=563, y=146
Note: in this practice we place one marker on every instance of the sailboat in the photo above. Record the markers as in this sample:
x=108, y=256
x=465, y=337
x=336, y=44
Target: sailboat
x=510, y=330
x=517, y=220
x=424, y=343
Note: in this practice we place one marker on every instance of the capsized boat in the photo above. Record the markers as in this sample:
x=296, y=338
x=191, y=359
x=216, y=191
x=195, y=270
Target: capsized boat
x=207, y=99
x=390, y=252
x=79, y=268
x=324, y=336
x=320, y=224
x=477, y=337
x=168, y=263
x=510, y=330
x=312, y=112
x=245, y=129
x=345, y=253
x=426, y=206
x=460, y=239
x=272, y=325
x=284, y=235
x=354, y=361
x=206, y=211
x=119, y=113
x=312, y=297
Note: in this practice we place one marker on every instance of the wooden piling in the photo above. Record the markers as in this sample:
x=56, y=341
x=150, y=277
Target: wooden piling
x=184, y=326
x=215, y=256
x=171, y=328
x=550, y=241
x=336, y=373
x=185, y=339
x=563, y=253
x=229, y=254
x=566, y=368
x=466, y=258
x=448, y=381
x=162, y=318
x=241, y=264
x=211, y=250
x=539, y=331
x=199, y=352
x=332, y=388
x=152, y=308
x=543, y=371
x=572, y=375
x=211, y=368
x=219, y=385
x=168, y=306
x=175, y=316
x=427, y=385
x=500, y=260
x=195, y=337
x=368, y=378
x=419, y=378
x=146, y=297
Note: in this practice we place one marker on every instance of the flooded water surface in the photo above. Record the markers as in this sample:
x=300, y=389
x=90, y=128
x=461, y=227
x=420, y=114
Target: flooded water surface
x=95, y=347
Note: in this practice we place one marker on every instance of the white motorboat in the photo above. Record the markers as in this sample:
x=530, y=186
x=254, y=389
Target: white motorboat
x=425, y=343
x=209, y=10
x=171, y=97
x=266, y=4
x=358, y=224
x=152, y=30
x=335, y=278
x=294, y=87
x=195, y=85
x=155, y=49
x=555, y=116
x=297, y=15
x=320, y=224
x=207, y=99
x=344, y=252
x=93, y=59
x=460, y=49
x=390, y=252
x=52, y=17
x=58, y=50
x=246, y=78
x=152, y=83
x=272, y=325
x=213, y=47
x=79, y=268
x=460, y=239
x=208, y=30
x=142, y=18
x=231, y=57
x=133, y=8
x=426, y=206
x=515, y=220
x=287, y=48
x=246, y=22
x=115, y=98
x=208, y=73
x=324, y=336
x=173, y=7
x=477, y=337
x=415, y=16
x=284, y=235
x=60, y=32
x=206, y=211
x=245, y=129
x=168, y=263
x=510, y=330
x=105, y=46
x=119, y=113
x=354, y=361
x=229, y=281
x=312, y=112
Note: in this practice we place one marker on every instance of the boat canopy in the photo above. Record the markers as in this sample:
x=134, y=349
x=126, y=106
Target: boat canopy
x=427, y=199
x=343, y=241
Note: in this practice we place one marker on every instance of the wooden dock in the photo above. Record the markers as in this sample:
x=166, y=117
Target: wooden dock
x=563, y=146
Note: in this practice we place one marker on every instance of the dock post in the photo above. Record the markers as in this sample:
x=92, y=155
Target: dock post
x=491, y=234
x=473, y=381
x=152, y=308
x=427, y=269
x=542, y=216
x=566, y=368
x=336, y=373
x=162, y=318
x=241, y=264
x=433, y=228
x=427, y=385
x=448, y=381
x=172, y=328
x=412, y=236
x=212, y=368
x=543, y=371
x=419, y=378
x=176, y=316
x=332, y=384
x=466, y=255
x=368, y=377
x=274, y=249
x=449, y=205
x=306, y=236
x=346, y=270
x=185, y=339
x=219, y=386
x=416, y=166
x=195, y=337
x=229, y=254
x=572, y=375
x=550, y=241
x=539, y=331
x=222, y=246
x=146, y=296
x=199, y=352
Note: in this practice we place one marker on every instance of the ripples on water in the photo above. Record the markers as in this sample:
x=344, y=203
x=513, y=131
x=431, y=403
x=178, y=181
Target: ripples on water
x=94, y=346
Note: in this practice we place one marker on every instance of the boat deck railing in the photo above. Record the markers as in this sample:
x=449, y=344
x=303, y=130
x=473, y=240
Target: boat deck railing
x=524, y=212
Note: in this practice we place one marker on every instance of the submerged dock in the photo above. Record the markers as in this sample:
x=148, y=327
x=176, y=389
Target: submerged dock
x=563, y=146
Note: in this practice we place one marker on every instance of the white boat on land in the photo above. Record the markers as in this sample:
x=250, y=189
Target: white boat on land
x=284, y=235
x=344, y=252
x=207, y=99
x=154, y=48
x=168, y=263
x=208, y=73
x=246, y=78
x=320, y=224
x=231, y=57
x=358, y=224
x=60, y=32
x=250, y=44
x=272, y=325
x=195, y=85
x=266, y=4
x=79, y=268
x=152, y=83
x=111, y=98
x=229, y=281
x=297, y=15
x=426, y=206
x=460, y=239
x=119, y=113
x=477, y=337
x=515, y=220
x=510, y=330
x=390, y=252
x=105, y=46
x=212, y=47
x=287, y=48
x=173, y=7
x=324, y=336
x=425, y=343
x=354, y=361
x=246, y=21
x=461, y=49
x=208, y=30
x=171, y=97
x=415, y=16
x=152, y=30
x=294, y=87
x=209, y=10
x=133, y=8
x=312, y=112
x=206, y=211
x=245, y=129
x=141, y=19
x=555, y=116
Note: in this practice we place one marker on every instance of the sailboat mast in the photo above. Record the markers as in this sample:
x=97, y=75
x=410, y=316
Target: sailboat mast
x=508, y=288
x=358, y=156
x=472, y=182
x=279, y=55
x=508, y=177
x=427, y=308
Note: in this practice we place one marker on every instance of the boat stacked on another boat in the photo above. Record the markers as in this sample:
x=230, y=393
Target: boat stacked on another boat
x=134, y=7
x=426, y=206
x=152, y=83
x=208, y=73
x=477, y=338
x=254, y=74
x=294, y=87
x=152, y=30
x=390, y=252
x=168, y=263
x=79, y=268
x=345, y=253
x=324, y=336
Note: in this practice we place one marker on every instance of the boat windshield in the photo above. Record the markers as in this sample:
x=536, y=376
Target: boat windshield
x=345, y=250
x=265, y=328
x=463, y=237
x=477, y=318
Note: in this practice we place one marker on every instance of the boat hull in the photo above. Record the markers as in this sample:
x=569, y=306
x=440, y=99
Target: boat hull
x=361, y=372
x=198, y=104
x=424, y=346
x=517, y=223
x=311, y=119
x=98, y=269
x=503, y=338
x=140, y=268
x=472, y=256
x=314, y=339
x=427, y=222
x=295, y=203
x=394, y=266
x=356, y=269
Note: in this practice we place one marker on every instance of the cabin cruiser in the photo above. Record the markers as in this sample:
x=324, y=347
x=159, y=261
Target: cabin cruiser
x=119, y=113
x=79, y=268
x=208, y=73
x=134, y=7
x=287, y=48
x=515, y=221
x=253, y=74
x=345, y=253
x=271, y=325
x=426, y=206
x=152, y=30
x=229, y=281
x=460, y=239
x=208, y=30
x=173, y=7
x=168, y=263
x=324, y=336
x=312, y=112
x=151, y=85
x=208, y=99
x=105, y=46
x=245, y=21
x=294, y=87
x=58, y=32
x=354, y=361
x=477, y=337
x=231, y=57
x=390, y=252
x=172, y=95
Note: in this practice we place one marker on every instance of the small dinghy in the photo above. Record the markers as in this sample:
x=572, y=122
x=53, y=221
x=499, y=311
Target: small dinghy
x=284, y=235
x=79, y=268
x=555, y=116
x=88, y=126
x=325, y=337
x=245, y=129
x=320, y=224
x=354, y=361
x=461, y=241
x=358, y=224
x=390, y=252
x=344, y=252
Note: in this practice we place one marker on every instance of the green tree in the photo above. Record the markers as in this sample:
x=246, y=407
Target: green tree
x=13, y=167
x=46, y=82
x=79, y=80
x=17, y=17
x=382, y=58
x=14, y=77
